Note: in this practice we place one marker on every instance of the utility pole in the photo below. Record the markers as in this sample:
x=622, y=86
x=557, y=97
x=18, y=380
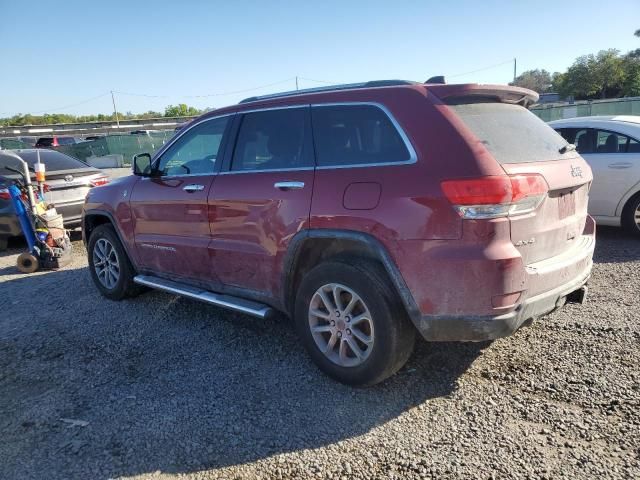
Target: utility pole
x=296, y=82
x=514, y=70
x=115, y=110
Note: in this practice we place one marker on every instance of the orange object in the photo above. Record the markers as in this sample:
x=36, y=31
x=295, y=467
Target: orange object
x=39, y=168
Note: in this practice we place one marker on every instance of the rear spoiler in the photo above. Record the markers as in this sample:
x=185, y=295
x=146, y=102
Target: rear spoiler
x=475, y=93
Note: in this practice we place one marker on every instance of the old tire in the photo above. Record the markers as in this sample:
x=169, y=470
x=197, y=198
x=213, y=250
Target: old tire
x=631, y=216
x=109, y=264
x=362, y=346
x=27, y=262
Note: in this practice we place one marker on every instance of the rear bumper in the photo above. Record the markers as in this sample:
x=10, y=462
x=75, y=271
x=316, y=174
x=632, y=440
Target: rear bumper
x=573, y=267
x=481, y=328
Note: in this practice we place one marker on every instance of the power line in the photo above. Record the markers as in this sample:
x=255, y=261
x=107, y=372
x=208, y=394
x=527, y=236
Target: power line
x=70, y=106
x=317, y=81
x=481, y=69
x=220, y=94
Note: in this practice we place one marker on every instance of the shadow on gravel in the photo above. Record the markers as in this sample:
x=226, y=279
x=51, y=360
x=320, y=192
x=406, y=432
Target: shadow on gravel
x=614, y=245
x=169, y=384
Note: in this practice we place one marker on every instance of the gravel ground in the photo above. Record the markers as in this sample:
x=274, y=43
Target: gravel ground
x=164, y=387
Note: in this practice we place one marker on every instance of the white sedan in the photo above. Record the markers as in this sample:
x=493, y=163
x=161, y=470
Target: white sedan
x=611, y=145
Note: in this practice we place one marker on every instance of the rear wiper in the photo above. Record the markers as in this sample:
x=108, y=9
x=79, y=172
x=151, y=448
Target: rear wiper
x=569, y=147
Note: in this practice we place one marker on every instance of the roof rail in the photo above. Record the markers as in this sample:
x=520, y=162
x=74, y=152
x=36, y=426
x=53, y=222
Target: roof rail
x=331, y=88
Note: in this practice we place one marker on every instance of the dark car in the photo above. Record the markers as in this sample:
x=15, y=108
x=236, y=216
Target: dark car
x=48, y=142
x=68, y=181
x=367, y=213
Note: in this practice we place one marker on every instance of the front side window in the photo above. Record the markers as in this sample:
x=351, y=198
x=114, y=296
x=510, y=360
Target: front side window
x=196, y=152
x=356, y=135
x=272, y=140
x=584, y=140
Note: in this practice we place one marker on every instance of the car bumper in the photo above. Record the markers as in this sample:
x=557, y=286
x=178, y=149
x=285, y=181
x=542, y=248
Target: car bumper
x=9, y=225
x=574, y=267
x=483, y=328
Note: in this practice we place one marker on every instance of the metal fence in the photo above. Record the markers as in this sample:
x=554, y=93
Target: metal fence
x=617, y=106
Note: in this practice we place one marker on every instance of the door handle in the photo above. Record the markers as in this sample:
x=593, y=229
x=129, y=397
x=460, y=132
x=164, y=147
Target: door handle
x=620, y=165
x=193, y=187
x=285, y=186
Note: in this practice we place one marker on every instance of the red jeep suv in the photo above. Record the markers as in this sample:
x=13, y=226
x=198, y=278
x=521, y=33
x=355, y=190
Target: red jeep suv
x=365, y=212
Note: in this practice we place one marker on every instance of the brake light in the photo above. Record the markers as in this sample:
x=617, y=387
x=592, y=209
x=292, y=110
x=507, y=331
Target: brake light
x=96, y=182
x=4, y=194
x=496, y=196
x=55, y=142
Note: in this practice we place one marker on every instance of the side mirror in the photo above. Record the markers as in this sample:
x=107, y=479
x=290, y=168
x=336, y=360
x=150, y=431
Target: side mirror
x=142, y=165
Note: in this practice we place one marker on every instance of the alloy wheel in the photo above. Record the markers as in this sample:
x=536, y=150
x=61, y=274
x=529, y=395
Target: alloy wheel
x=106, y=263
x=341, y=325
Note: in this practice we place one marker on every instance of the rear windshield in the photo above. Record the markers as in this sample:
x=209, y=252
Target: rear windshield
x=512, y=133
x=53, y=161
x=66, y=140
x=46, y=142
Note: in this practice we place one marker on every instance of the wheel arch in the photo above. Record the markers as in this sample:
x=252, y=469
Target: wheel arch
x=310, y=247
x=92, y=219
x=629, y=194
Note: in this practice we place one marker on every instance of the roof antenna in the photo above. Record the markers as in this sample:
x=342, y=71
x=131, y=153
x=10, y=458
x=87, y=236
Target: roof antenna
x=437, y=79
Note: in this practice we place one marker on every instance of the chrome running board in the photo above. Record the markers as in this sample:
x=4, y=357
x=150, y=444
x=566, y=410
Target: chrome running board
x=226, y=301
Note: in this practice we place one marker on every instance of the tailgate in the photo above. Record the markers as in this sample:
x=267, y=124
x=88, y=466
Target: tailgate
x=557, y=224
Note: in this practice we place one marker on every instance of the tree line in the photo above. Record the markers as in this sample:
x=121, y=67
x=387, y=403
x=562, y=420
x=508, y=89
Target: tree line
x=180, y=110
x=606, y=74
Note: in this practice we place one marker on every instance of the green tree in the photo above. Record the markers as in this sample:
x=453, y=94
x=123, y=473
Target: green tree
x=539, y=81
x=631, y=81
x=594, y=76
x=180, y=110
x=635, y=53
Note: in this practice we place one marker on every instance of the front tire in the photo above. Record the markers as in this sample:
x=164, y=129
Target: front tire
x=631, y=216
x=109, y=264
x=352, y=325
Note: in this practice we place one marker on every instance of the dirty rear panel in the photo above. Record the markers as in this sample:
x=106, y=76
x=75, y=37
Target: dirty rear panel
x=522, y=143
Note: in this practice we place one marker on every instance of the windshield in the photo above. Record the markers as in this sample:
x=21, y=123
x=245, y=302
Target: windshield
x=512, y=133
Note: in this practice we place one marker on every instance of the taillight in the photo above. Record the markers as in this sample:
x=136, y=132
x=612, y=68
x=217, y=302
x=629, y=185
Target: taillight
x=96, y=182
x=4, y=194
x=496, y=196
x=55, y=142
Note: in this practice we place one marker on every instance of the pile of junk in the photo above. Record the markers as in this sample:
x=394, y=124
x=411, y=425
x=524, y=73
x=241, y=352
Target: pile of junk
x=43, y=228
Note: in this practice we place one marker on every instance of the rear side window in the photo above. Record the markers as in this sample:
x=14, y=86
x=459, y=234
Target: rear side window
x=272, y=139
x=511, y=133
x=356, y=135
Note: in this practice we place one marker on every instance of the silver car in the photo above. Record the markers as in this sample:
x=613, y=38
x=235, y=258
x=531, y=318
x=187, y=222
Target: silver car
x=68, y=181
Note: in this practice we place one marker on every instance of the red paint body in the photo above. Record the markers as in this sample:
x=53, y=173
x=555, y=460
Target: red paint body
x=236, y=233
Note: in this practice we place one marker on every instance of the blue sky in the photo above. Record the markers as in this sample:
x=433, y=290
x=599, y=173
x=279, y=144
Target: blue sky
x=59, y=54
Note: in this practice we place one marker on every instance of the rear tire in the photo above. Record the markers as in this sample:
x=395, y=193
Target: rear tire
x=631, y=216
x=109, y=265
x=362, y=345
